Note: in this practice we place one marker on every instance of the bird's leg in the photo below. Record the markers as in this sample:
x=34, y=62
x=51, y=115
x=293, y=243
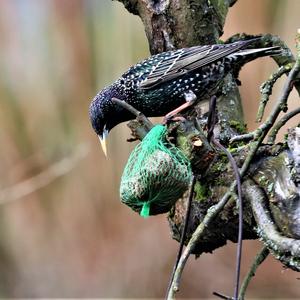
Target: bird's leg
x=190, y=99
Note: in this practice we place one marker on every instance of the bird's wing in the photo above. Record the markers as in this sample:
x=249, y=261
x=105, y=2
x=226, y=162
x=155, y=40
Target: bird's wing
x=180, y=62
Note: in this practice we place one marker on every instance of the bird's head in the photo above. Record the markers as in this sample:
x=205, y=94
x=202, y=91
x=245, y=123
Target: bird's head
x=101, y=115
x=105, y=114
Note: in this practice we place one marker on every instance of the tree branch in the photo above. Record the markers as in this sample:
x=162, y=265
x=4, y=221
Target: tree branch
x=267, y=87
x=280, y=123
x=287, y=250
x=259, y=259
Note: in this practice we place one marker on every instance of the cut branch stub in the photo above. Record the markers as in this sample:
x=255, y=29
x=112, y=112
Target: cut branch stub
x=193, y=143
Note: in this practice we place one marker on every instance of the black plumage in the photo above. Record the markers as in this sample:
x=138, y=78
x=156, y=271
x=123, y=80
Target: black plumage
x=158, y=84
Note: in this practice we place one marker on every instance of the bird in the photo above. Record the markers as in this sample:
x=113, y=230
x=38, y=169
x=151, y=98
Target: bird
x=168, y=80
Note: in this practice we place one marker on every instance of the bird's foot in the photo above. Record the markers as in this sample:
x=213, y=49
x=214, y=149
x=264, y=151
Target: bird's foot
x=190, y=99
x=167, y=119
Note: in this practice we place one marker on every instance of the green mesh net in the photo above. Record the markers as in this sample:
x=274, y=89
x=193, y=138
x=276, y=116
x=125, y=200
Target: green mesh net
x=155, y=176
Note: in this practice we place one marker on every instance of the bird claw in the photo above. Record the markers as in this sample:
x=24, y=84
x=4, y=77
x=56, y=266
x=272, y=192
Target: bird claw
x=167, y=119
x=190, y=99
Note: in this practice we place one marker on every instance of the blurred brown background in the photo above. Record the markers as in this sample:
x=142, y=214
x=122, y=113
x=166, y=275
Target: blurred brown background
x=63, y=231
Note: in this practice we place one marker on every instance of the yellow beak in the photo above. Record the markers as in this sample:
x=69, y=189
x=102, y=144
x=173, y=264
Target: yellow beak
x=103, y=145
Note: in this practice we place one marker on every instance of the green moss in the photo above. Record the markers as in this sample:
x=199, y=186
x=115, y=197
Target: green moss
x=202, y=191
x=184, y=145
x=233, y=150
x=221, y=181
x=263, y=180
x=239, y=127
x=220, y=165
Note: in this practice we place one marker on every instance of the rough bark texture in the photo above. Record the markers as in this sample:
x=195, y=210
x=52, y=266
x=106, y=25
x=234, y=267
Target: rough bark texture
x=275, y=170
x=179, y=23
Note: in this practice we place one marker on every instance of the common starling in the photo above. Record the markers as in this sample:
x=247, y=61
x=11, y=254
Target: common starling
x=165, y=81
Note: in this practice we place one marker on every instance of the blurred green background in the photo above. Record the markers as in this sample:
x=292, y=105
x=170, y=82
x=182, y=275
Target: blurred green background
x=63, y=231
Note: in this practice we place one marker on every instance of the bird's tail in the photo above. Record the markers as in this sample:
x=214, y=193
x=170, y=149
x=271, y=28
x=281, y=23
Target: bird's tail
x=238, y=59
x=246, y=55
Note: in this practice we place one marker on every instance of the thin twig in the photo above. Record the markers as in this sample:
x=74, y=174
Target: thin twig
x=259, y=258
x=211, y=213
x=281, y=105
x=184, y=231
x=44, y=178
x=126, y=106
x=139, y=115
x=267, y=87
x=211, y=121
x=222, y=296
x=280, y=123
x=240, y=233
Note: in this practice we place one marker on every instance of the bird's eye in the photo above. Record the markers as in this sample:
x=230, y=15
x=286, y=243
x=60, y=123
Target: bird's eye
x=181, y=70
